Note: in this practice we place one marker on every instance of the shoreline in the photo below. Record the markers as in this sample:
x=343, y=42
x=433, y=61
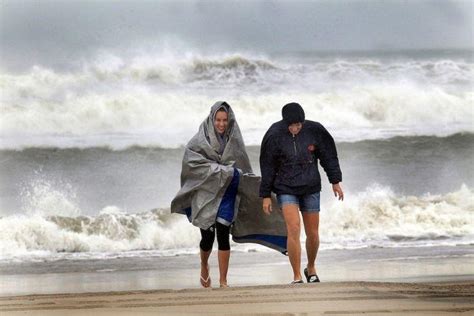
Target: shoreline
x=417, y=264
x=334, y=298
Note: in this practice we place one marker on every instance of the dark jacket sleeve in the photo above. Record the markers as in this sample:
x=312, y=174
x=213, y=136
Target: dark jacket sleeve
x=267, y=164
x=328, y=156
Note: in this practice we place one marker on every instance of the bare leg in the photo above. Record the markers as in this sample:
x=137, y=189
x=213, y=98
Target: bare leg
x=311, y=227
x=223, y=258
x=205, y=278
x=292, y=219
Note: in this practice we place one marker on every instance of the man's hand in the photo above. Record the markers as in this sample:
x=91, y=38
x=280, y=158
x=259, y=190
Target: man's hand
x=338, y=191
x=267, y=205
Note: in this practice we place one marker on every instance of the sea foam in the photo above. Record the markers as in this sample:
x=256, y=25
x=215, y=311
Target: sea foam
x=161, y=100
x=147, y=118
x=376, y=217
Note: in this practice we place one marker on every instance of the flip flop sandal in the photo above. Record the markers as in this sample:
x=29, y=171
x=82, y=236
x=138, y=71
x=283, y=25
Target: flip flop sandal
x=297, y=282
x=313, y=278
x=206, y=282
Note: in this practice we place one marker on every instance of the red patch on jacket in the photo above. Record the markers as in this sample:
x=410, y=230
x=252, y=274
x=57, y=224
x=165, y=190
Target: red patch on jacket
x=311, y=148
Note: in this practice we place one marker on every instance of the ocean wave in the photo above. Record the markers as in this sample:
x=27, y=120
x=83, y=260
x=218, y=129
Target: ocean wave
x=243, y=69
x=380, y=217
x=463, y=139
x=110, y=70
x=375, y=217
x=160, y=100
x=104, y=233
x=235, y=70
x=169, y=119
x=232, y=68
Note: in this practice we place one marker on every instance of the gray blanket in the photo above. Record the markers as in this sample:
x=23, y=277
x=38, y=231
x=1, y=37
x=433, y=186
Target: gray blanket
x=206, y=175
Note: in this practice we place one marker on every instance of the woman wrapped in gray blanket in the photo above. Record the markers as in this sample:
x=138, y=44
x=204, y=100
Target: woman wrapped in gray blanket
x=219, y=192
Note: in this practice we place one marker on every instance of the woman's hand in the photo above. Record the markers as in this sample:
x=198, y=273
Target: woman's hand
x=267, y=205
x=338, y=191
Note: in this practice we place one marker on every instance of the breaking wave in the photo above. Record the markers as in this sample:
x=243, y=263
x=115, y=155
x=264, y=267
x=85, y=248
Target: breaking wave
x=168, y=120
x=160, y=100
x=240, y=69
x=111, y=231
x=376, y=217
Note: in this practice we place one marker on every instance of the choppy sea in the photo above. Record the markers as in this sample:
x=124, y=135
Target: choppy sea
x=90, y=156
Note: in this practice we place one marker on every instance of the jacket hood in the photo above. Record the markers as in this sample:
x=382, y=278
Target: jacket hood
x=292, y=113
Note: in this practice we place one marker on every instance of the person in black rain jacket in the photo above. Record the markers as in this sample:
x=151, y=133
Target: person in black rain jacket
x=289, y=154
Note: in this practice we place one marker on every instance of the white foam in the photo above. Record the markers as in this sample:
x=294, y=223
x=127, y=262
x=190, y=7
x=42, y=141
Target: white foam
x=147, y=118
x=44, y=198
x=150, y=100
x=38, y=236
x=376, y=217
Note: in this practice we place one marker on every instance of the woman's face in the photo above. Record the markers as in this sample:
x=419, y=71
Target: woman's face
x=295, y=128
x=221, y=121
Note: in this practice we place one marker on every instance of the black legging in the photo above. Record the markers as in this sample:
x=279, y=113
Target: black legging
x=208, y=236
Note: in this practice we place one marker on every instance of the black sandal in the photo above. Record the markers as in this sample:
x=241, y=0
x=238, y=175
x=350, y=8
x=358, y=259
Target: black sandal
x=313, y=278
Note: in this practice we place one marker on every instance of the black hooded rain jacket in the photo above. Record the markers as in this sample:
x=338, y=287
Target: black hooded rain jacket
x=289, y=163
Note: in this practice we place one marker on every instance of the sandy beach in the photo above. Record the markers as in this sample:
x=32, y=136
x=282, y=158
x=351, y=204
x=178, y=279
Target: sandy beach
x=99, y=100
x=334, y=298
x=404, y=281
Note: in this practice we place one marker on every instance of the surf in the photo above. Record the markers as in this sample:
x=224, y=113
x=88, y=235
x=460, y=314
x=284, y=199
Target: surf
x=375, y=217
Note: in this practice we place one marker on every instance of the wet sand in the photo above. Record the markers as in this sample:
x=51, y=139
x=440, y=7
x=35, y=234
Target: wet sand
x=333, y=298
x=419, y=265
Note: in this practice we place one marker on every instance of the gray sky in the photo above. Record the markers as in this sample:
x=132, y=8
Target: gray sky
x=52, y=31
